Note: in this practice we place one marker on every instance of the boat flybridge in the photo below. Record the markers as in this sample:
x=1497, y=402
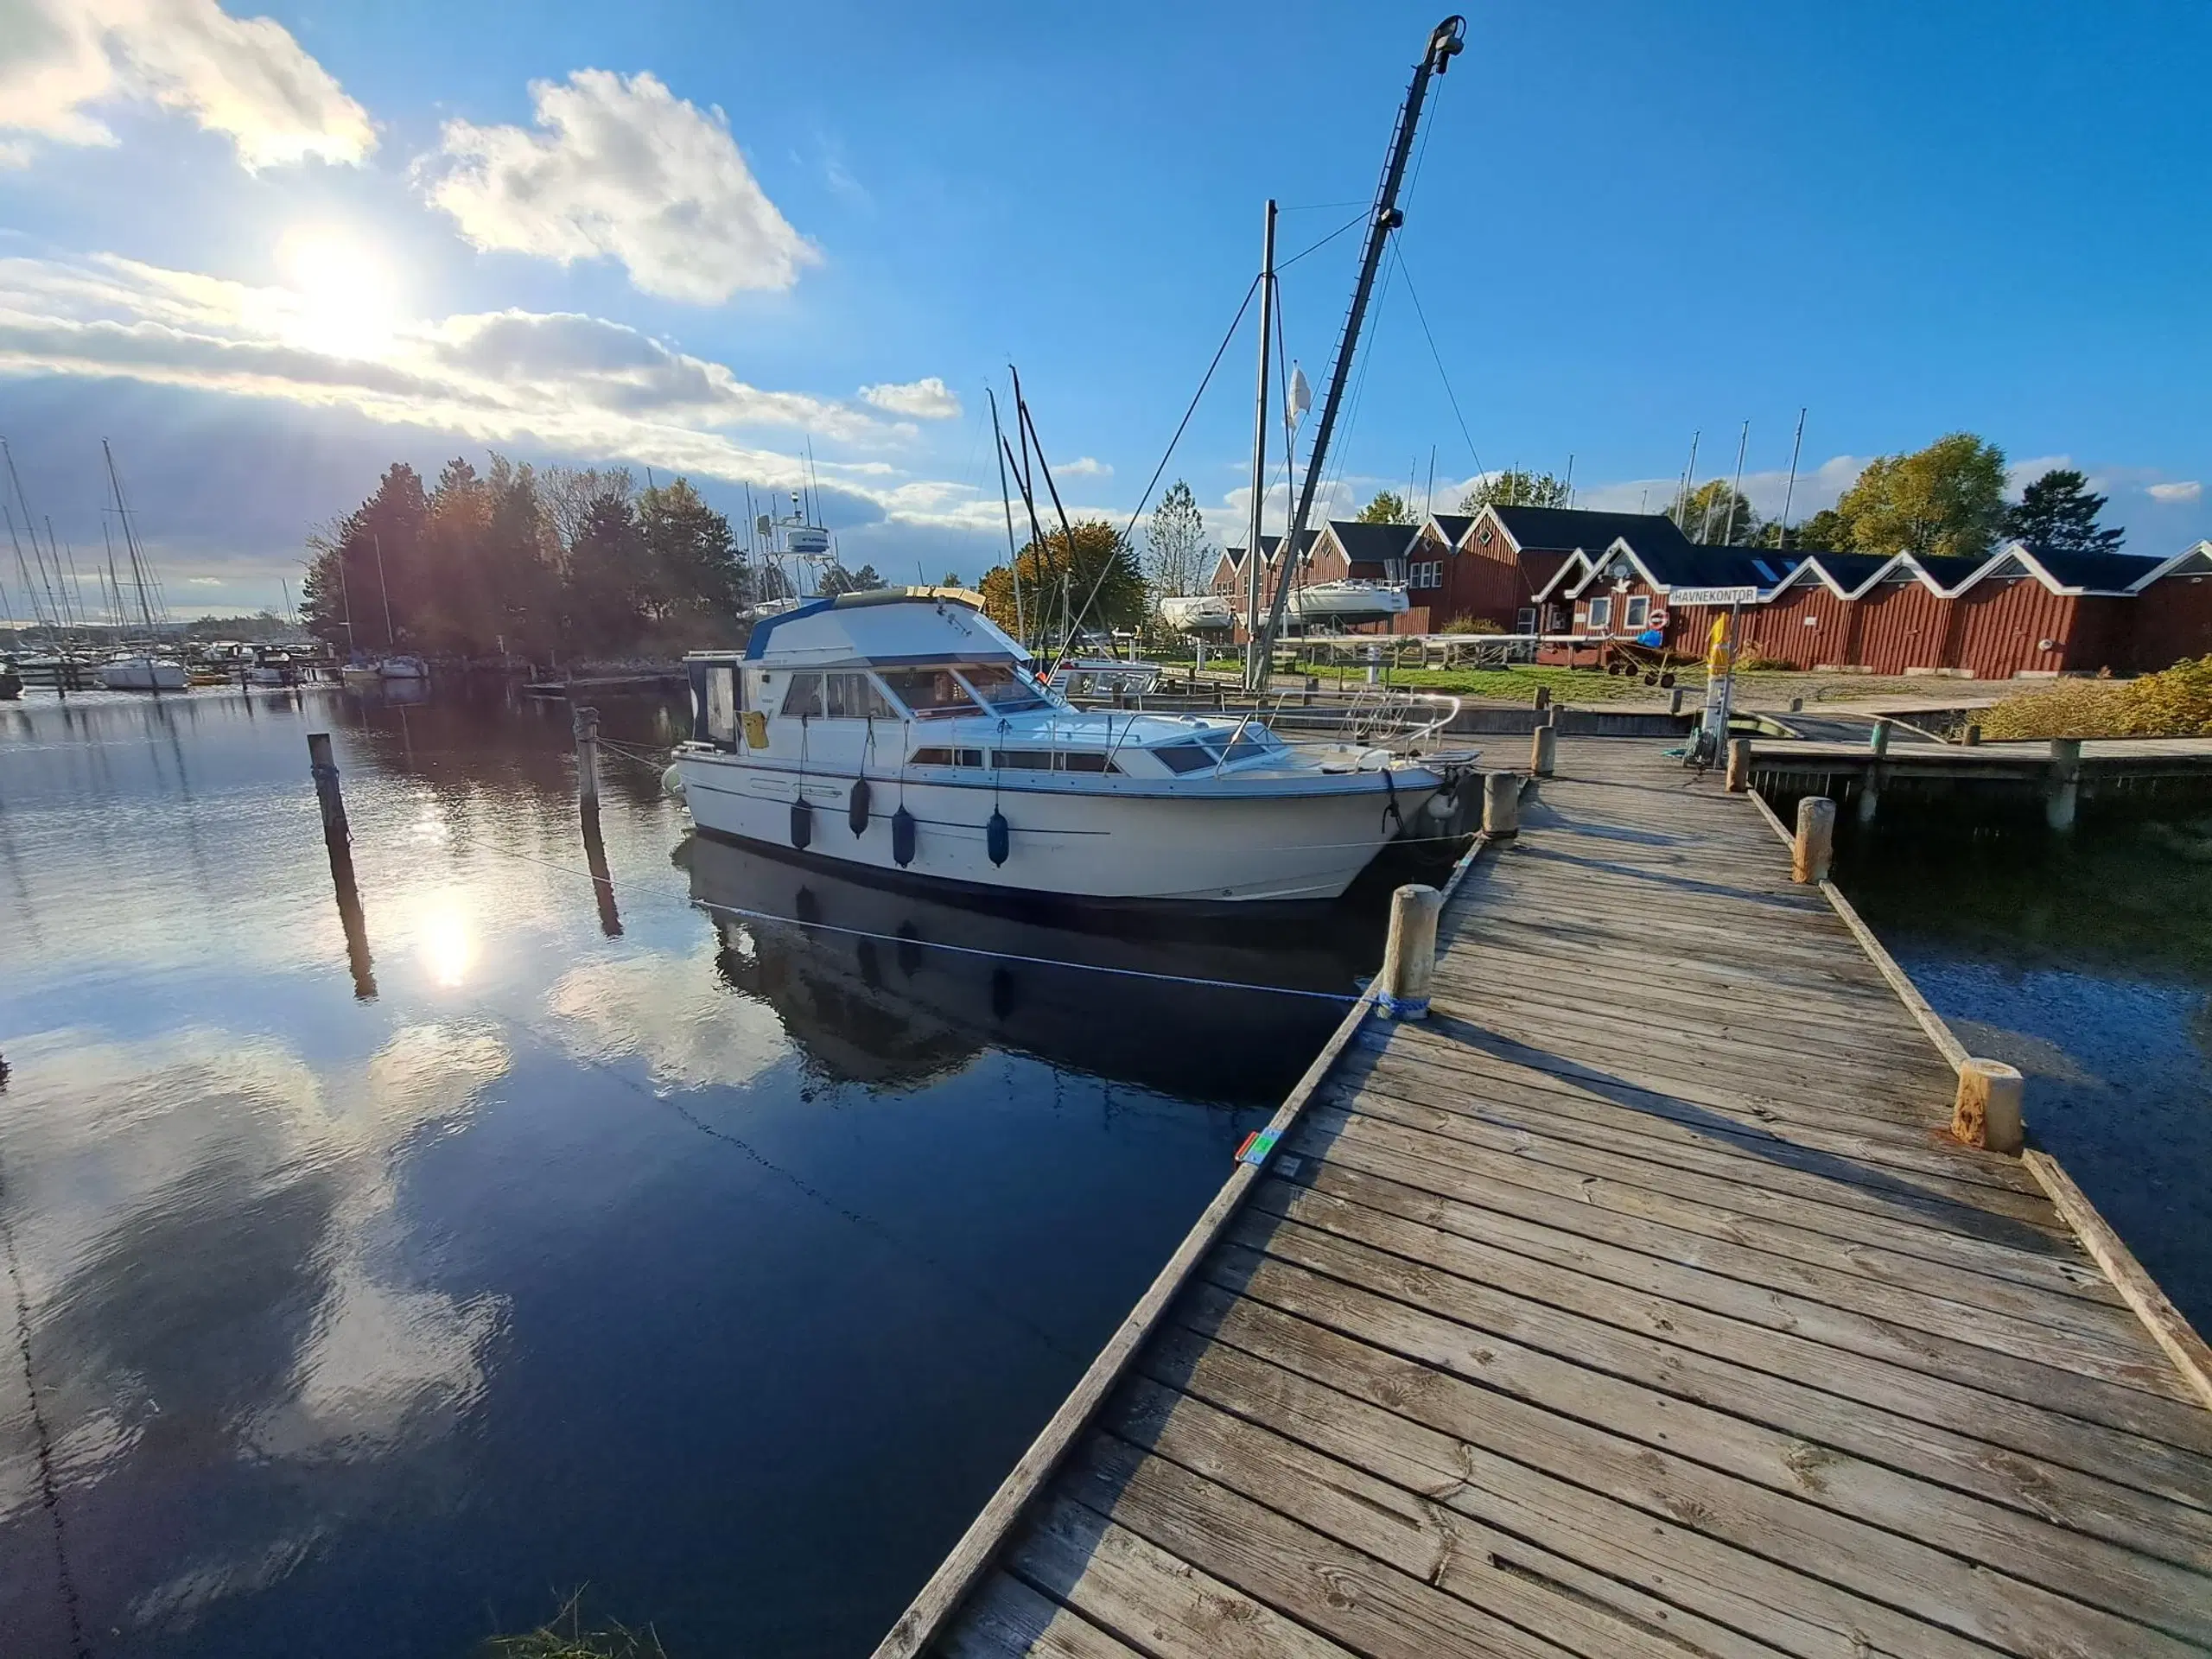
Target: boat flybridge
x=900, y=730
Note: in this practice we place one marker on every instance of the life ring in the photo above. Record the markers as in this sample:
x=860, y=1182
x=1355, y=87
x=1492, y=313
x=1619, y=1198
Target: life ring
x=1657, y=619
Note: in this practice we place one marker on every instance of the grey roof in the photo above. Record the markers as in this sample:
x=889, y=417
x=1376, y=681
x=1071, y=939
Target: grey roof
x=1372, y=543
x=1455, y=525
x=1269, y=546
x=1563, y=529
x=2103, y=573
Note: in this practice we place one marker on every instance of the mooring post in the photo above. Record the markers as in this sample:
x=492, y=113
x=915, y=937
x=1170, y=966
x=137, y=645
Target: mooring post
x=1543, y=696
x=1796, y=705
x=1739, y=765
x=587, y=729
x=1501, y=803
x=1971, y=737
x=325, y=771
x=1814, y=847
x=2062, y=793
x=1675, y=701
x=1879, y=742
x=1987, y=1110
x=1409, y=956
x=1543, y=750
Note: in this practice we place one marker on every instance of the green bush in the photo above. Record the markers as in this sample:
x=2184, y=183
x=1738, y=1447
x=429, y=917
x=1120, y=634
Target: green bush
x=1471, y=625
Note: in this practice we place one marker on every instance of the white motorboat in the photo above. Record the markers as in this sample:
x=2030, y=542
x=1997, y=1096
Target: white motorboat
x=907, y=733
x=402, y=668
x=1190, y=613
x=1350, y=600
x=140, y=671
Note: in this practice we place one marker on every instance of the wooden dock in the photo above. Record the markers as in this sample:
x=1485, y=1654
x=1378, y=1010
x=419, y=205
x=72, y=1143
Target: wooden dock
x=1637, y=1302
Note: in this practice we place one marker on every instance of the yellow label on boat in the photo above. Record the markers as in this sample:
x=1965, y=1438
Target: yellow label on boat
x=756, y=729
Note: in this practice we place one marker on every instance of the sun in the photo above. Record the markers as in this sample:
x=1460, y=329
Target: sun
x=345, y=300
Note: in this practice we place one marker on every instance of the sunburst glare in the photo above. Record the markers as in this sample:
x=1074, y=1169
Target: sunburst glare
x=348, y=301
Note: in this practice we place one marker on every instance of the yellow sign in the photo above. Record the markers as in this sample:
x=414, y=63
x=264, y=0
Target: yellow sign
x=1720, y=655
x=756, y=729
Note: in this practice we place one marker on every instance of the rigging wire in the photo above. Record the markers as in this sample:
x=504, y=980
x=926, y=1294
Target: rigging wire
x=1315, y=247
x=1414, y=294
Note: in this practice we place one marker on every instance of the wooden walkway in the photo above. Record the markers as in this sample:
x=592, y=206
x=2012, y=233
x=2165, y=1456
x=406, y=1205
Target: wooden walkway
x=1636, y=1303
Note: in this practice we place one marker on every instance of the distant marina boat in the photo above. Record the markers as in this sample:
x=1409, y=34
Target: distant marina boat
x=902, y=732
x=402, y=668
x=144, y=671
x=1348, y=601
x=1189, y=612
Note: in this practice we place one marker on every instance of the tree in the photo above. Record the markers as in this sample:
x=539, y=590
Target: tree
x=1176, y=541
x=835, y=579
x=952, y=580
x=1826, y=531
x=1946, y=499
x=1705, y=514
x=2059, y=512
x=606, y=594
x=1388, y=507
x=1514, y=488
x=691, y=557
x=1058, y=575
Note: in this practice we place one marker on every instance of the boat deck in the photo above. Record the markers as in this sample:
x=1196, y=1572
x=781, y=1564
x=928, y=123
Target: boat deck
x=1636, y=1303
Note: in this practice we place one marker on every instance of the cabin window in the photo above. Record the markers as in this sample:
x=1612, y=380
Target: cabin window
x=1189, y=755
x=853, y=696
x=1083, y=760
x=1524, y=619
x=930, y=693
x=948, y=757
x=1601, y=614
x=803, y=698
x=1004, y=691
x=1639, y=613
x=722, y=704
x=1023, y=759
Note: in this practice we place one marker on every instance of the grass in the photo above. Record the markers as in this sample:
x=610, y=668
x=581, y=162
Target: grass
x=2175, y=703
x=1587, y=685
x=565, y=1636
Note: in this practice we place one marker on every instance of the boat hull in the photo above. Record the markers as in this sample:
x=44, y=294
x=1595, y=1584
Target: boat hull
x=142, y=675
x=1256, y=848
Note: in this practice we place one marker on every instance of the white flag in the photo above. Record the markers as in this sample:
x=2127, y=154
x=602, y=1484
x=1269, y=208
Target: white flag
x=1298, y=397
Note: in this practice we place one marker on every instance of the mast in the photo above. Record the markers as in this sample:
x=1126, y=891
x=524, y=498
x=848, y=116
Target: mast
x=1253, y=660
x=1012, y=554
x=1445, y=42
x=53, y=605
x=1682, y=499
x=1782, y=540
x=391, y=637
x=22, y=567
x=115, y=587
x=130, y=540
x=1728, y=532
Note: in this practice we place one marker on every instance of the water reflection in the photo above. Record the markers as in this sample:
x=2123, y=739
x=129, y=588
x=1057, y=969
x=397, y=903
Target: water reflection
x=881, y=986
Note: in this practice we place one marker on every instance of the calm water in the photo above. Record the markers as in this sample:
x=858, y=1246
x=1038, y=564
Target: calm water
x=2088, y=965
x=371, y=1303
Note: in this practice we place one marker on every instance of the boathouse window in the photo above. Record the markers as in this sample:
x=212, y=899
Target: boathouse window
x=930, y=693
x=1601, y=614
x=1639, y=613
x=722, y=704
x=1524, y=619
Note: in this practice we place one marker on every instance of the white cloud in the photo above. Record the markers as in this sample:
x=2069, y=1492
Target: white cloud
x=205, y=581
x=619, y=168
x=246, y=79
x=1084, y=466
x=927, y=399
x=2176, y=494
x=576, y=384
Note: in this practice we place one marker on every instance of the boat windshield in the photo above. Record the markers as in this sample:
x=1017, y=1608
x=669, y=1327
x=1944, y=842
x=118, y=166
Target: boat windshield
x=1005, y=691
x=928, y=693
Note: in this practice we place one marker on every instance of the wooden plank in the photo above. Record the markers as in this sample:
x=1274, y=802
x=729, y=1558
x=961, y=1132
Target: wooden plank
x=1151, y=1598
x=1930, y=1431
x=1346, y=1597
x=2166, y=1323
x=1782, y=1481
x=1006, y=1616
x=1384, y=1521
x=1999, y=1215
x=1713, y=1594
x=1817, y=1342
x=1861, y=1314
x=2008, y=1279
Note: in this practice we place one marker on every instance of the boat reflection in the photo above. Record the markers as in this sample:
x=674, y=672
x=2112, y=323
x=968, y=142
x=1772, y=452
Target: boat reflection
x=885, y=988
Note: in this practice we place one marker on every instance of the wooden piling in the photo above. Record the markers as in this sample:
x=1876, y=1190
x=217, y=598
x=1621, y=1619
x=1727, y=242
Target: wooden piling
x=1675, y=701
x=335, y=832
x=1879, y=742
x=587, y=732
x=1543, y=696
x=1987, y=1112
x=1739, y=765
x=1972, y=737
x=2063, y=793
x=1543, y=750
x=1501, y=803
x=1409, y=956
x=1814, y=850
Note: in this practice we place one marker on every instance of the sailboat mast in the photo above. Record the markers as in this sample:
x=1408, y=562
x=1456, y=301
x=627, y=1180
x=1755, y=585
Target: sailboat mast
x=1445, y=44
x=1735, y=494
x=114, y=587
x=22, y=567
x=130, y=540
x=53, y=604
x=391, y=637
x=1789, y=489
x=1254, y=671
x=1005, y=500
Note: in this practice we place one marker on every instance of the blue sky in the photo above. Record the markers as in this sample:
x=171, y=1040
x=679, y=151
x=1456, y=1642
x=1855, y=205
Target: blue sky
x=268, y=257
